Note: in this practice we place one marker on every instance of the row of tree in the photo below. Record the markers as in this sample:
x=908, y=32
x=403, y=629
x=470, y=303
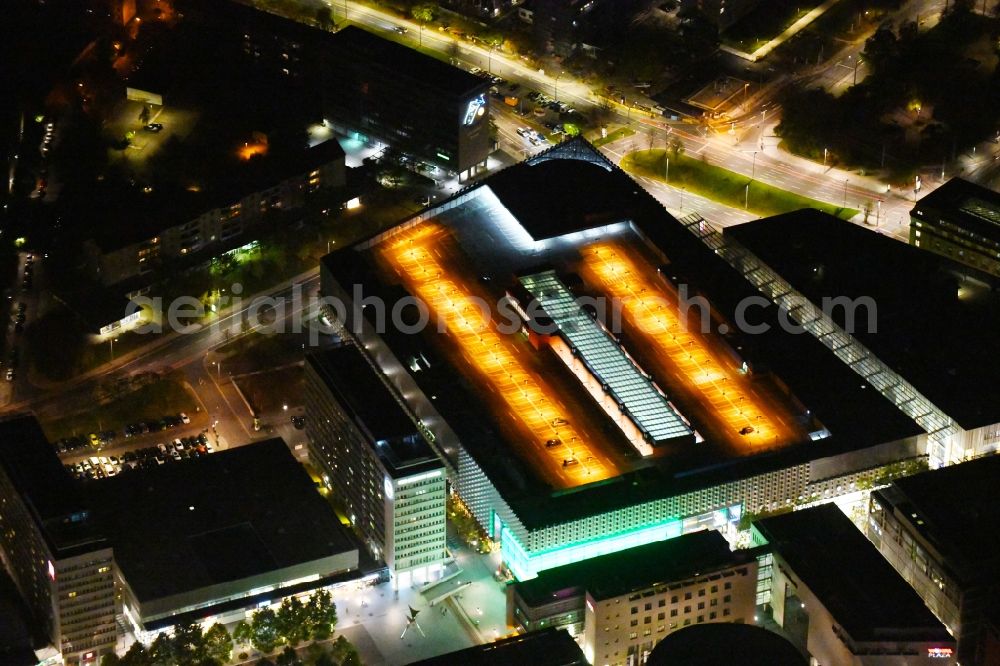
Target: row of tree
x=189, y=646
x=294, y=622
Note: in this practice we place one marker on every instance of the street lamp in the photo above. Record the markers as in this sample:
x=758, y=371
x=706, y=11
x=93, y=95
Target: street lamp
x=555, y=89
x=489, y=58
x=826, y=152
x=112, y=341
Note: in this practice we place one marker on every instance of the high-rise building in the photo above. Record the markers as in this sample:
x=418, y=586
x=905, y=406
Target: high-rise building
x=375, y=458
x=386, y=92
x=58, y=557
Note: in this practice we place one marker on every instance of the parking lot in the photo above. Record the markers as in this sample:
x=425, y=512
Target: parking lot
x=180, y=448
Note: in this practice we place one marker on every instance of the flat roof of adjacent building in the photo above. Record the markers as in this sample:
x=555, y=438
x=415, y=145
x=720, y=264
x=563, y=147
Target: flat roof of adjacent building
x=935, y=323
x=548, y=647
x=634, y=569
x=957, y=510
x=404, y=62
x=230, y=515
x=50, y=493
x=965, y=204
x=860, y=589
x=517, y=222
x=725, y=644
x=354, y=382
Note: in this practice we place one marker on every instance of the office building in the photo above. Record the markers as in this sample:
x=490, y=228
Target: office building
x=695, y=428
x=961, y=221
x=375, y=459
x=549, y=647
x=624, y=603
x=206, y=539
x=54, y=548
x=839, y=601
x=385, y=92
x=938, y=530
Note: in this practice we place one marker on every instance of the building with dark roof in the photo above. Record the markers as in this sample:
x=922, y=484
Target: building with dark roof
x=961, y=221
x=914, y=326
x=141, y=551
x=148, y=232
x=193, y=535
x=375, y=458
x=390, y=93
x=938, y=530
x=54, y=547
x=516, y=417
x=839, y=600
x=549, y=647
x=725, y=645
x=622, y=604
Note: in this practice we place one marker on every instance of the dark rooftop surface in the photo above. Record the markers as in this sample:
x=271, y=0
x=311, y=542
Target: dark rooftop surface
x=965, y=204
x=856, y=415
x=406, y=63
x=548, y=647
x=227, y=516
x=47, y=488
x=634, y=569
x=724, y=644
x=356, y=386
x=940, y=341
x=845, y=571
x=957, y=507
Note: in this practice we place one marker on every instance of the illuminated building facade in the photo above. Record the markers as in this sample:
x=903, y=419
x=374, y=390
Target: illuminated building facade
x=959, y=220
x=199, y=540
x=376, y=461
x=624, y=603
x=693, y=424
x=390, y=93
x=936, y=529
x=60, y=562
x=839, y=601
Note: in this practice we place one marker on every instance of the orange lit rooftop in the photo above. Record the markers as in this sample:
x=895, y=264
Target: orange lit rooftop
x=538, y=411
x=728, y=405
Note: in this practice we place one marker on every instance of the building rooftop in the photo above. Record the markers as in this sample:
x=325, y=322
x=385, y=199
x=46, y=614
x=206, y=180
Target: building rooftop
x=955, y=508
x=724, y=644
x=634, y=569
x=606, y=238
x=968, y=205
x=228, y=516
x=548, y=647
x=934, y=322
x=50, y=493
x=407, y=63
x=852, y=580
x=355, y=384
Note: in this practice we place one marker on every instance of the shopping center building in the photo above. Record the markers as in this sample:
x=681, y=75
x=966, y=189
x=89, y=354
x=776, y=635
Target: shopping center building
x=572, y=431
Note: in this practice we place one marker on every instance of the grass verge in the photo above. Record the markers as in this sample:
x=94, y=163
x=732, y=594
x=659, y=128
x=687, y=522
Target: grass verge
x=619, y=133
x=159, y=398
x=725, y=186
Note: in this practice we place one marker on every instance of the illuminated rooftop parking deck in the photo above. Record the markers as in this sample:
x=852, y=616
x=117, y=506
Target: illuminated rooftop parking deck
x=736, y=412
x=634, y=392
x=528, y=399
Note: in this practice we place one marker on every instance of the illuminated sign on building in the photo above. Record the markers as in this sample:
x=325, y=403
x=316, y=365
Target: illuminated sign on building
x=476, y=108
x=940, y=653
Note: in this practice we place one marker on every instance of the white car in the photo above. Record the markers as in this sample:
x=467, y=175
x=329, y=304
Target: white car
x=185, y=419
